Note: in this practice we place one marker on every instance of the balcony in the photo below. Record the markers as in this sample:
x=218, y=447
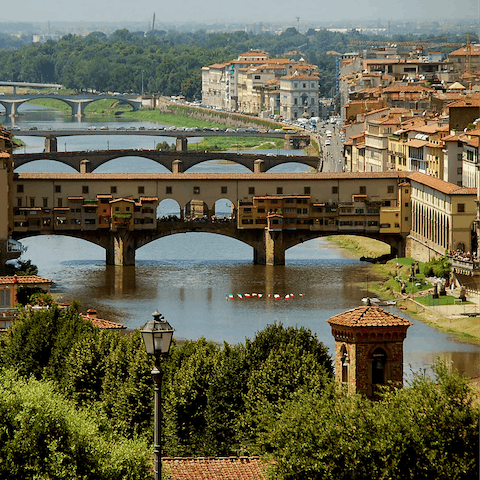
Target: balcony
x=464, y=266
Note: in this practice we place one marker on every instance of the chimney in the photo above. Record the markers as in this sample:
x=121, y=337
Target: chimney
x=92, y=313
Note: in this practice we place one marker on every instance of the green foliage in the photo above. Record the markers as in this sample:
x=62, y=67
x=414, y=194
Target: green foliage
x=429, y=430
x=168, y=62
x=438, y=267
x=44, y=436
x=21, y=267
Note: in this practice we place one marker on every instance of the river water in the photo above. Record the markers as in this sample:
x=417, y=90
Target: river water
x=188, y=277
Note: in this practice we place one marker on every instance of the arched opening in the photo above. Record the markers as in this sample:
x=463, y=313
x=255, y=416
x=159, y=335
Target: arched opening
x=197, y=210
x=291, y=167
x=460, y=247
x=379, y=360
x=345, y=361
x=109, y=106
x=45, y=166
x=218, y=166
x=131, y=165
x=169, y=210
x=223, y=210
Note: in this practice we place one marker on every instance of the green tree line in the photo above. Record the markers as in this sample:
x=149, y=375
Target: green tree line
x=77, y=402
x=167, y=63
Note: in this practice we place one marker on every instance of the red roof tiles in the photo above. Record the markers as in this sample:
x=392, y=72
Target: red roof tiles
x=24, y=280
x=226, y=468
x=368, y=316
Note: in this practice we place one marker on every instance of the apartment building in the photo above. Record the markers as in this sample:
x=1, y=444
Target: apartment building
x=258, y=85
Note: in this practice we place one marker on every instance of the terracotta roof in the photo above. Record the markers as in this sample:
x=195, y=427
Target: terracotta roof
x=226, y=468
x=24, y=279
x=467, y=102
x=416, y=143
x=23, y=176
x=441, y=185
x=100, y=322
x=368, y=316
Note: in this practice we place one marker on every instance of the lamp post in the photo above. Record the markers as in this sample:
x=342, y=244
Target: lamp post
x=157, y=336
x=142, y=82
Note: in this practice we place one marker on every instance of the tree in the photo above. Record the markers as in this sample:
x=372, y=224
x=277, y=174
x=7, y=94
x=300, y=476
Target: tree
x=42, y=435
x=429, y=430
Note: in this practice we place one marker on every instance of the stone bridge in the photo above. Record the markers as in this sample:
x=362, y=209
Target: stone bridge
x=268, y=247
x=174, y=161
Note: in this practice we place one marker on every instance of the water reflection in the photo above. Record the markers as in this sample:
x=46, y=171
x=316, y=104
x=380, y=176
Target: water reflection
x=189, y=276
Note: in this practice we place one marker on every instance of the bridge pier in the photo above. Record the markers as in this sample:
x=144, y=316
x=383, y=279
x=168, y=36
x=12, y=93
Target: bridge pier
x=177, y=166
x=271, y=250
x=120, y=250
x=78, y=109
x=51, y=144
x=258, y=166
x=10, y=109
x=182, y=144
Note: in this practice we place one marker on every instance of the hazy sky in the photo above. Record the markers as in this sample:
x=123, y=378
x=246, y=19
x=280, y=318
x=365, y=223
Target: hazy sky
x=214, y=11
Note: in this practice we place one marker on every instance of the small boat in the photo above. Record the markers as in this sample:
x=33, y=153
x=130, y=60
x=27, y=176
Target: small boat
x=239, y=295
x=254, y=295
x=276, y=296
x=246, y=295
x=287, y=297
x=259, y=295
x=230, y=296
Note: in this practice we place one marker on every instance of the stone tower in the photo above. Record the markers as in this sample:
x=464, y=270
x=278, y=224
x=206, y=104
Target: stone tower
x=368, y=348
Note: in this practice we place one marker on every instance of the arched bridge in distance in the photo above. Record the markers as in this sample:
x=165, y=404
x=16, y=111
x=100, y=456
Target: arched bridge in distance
x=77, y=103
x=174, y=161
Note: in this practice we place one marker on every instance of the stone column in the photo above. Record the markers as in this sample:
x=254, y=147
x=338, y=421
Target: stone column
x=121, y=250
x=177, y=166
x=258, y=166
x=51, y=144
x=181, y=144
x=85, y=166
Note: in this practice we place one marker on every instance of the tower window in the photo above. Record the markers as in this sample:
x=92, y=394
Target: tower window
x=378, y=366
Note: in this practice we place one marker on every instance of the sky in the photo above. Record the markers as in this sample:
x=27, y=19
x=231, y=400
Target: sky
x=252, y=11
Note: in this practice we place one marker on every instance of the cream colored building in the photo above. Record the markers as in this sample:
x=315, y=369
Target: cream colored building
x=256, y=84
x=443, y=216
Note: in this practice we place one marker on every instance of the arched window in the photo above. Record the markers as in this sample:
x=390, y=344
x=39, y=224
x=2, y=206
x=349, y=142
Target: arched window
x=378, y=366
x=345, y=361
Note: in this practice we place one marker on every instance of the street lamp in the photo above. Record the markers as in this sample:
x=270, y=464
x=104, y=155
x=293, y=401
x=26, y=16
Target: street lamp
x=142, y=82
x=157, y=336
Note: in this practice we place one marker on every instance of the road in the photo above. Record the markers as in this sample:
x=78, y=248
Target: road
x=333, y=159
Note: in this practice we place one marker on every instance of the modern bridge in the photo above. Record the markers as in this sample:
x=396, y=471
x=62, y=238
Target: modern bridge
x=118, y=211
x=78, y=103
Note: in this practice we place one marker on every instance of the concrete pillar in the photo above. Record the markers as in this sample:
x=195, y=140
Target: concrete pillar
x=85, y=166
x=271, y=251
x=121, y=250
x=258, y=166
x=177, y=166
x=182, y=144
x=80, y=109
x=51, y=144
x=10, y=109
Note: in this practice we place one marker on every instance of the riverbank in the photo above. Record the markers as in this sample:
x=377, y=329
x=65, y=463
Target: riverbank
x=448, y=317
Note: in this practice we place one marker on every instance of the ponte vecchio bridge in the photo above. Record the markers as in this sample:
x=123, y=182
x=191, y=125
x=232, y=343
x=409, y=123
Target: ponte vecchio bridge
x=118, y=211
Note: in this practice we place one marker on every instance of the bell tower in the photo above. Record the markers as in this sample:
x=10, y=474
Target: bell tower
x=368, y=349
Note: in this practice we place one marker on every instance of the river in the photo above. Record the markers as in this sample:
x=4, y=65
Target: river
x=188, y=277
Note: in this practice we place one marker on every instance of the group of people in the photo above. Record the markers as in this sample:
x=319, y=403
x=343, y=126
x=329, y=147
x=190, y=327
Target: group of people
x=465, y=256
x=204, y=218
